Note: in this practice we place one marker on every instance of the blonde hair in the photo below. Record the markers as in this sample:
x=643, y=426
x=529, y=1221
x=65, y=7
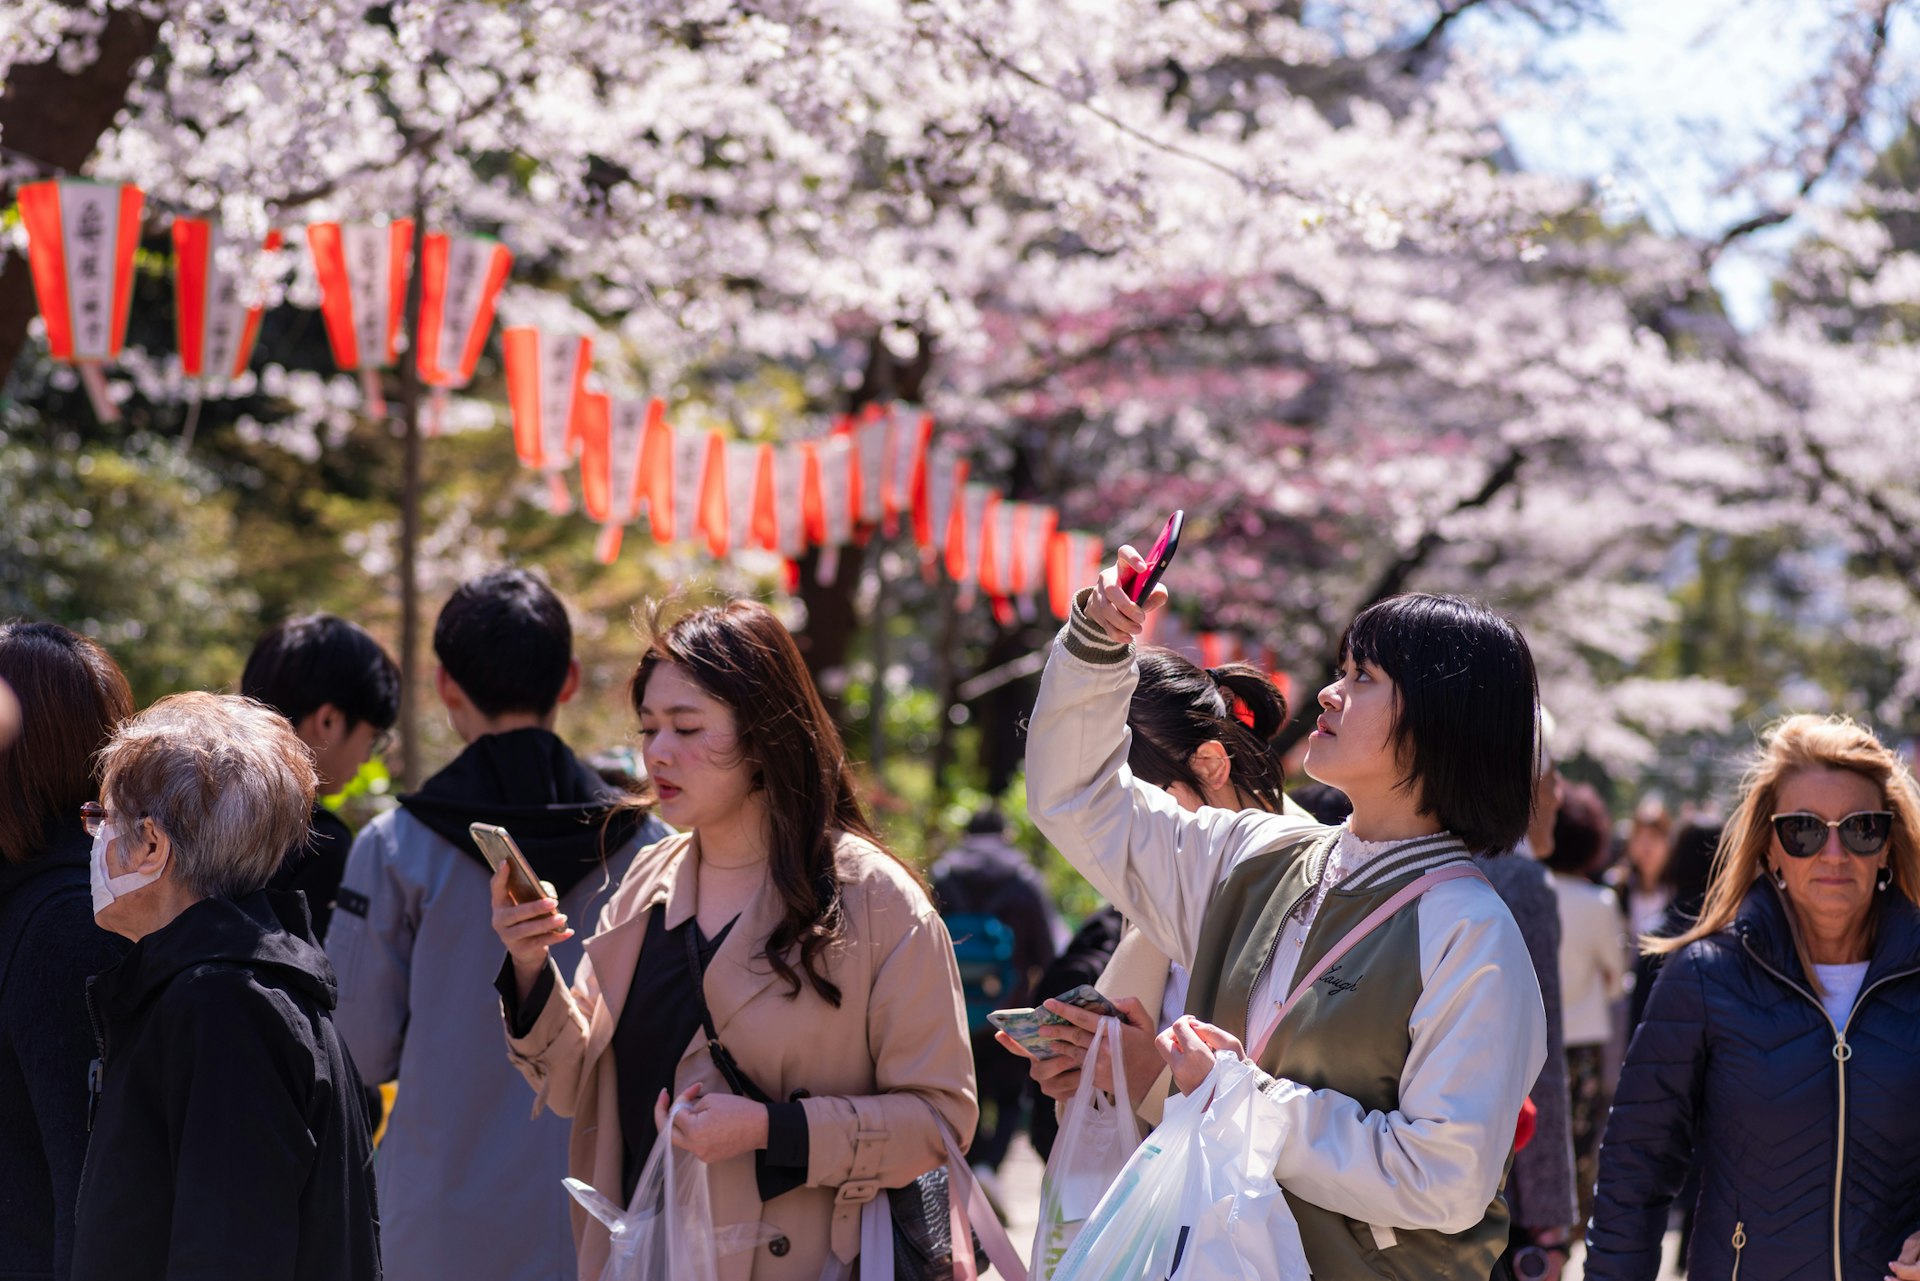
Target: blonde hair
x=1787, y=747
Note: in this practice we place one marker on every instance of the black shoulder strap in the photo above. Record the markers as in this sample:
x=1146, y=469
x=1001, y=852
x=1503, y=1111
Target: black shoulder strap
x=722, y=1057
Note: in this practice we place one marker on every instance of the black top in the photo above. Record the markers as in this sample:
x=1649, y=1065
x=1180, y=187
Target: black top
x=49, y=947
x=661, y=1015
x=314, y=866
x=228, y=1139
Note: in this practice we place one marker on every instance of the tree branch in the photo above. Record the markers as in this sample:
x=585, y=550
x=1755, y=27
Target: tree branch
x=1396, y=575
x=1848, y=130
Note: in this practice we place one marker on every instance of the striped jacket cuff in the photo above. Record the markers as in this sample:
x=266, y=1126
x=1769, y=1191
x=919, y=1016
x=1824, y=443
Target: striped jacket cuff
x=1087, y=641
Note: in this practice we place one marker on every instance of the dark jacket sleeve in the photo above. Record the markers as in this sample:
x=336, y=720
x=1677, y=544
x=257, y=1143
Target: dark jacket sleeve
x=1648, y=1145
x=53, y=1041
x=240, y=1073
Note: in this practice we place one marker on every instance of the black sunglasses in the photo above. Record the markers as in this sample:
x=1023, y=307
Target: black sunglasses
x=1864, y=832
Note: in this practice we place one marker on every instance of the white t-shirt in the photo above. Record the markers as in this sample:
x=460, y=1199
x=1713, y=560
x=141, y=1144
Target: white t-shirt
x=1839, y=985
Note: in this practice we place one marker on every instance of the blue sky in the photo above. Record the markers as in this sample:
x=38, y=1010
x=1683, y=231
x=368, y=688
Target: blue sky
x=1669, y=99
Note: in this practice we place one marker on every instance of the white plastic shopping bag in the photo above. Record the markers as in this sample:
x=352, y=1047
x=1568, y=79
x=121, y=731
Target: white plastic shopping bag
x=666, y=1233
x=1098, y=1135
x=1198, y=1200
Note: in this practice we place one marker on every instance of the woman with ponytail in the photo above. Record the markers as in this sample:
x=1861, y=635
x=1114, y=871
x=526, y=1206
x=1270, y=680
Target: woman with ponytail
x=1206, y=737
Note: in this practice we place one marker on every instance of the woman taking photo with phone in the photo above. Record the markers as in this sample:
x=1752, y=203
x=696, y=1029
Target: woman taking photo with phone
x=1399, y=1074
x=778, y=926
x=1780, y=1052
x=1189, y=739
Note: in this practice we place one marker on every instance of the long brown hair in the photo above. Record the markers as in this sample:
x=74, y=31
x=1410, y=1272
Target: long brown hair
x=744, y=657
x=1789, y=747
x=72, y=696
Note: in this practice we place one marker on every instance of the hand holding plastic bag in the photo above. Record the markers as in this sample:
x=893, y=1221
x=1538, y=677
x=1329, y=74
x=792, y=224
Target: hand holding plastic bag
x=1198, y=1201
x=1097, y=1137
x=666, y=1233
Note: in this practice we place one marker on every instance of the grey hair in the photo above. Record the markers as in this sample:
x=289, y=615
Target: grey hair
x=224, y=777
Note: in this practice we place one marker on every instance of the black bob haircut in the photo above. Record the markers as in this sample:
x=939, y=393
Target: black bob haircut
x=1177, y=707
x=1466, y=710
x=303, y=662
x=505, y=640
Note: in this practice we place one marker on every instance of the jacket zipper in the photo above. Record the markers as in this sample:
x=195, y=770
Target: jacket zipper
x=1739, y=1244
x=1253, y=992
x=96, y=1070
x=1842, y=1052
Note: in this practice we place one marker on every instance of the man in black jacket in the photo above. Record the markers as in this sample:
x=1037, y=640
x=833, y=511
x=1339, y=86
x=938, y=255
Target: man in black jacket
x=341, y=693
x=228, y=1136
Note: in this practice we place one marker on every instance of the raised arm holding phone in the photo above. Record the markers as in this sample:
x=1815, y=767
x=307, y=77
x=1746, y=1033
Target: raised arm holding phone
x=1400, y=1069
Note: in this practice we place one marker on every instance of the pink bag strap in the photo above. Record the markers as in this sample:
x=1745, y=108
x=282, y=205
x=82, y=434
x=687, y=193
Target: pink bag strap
x=1374, y=920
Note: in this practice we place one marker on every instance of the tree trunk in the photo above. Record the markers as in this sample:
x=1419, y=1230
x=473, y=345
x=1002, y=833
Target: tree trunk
x=833, y=621
x=58, y=119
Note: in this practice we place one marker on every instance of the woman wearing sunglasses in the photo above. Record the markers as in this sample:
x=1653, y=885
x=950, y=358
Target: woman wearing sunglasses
x=1781, y=1044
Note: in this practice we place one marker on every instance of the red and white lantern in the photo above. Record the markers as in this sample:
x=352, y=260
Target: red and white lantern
x=610, y=473
x=460, y=279
x=363, y=293
x=909, y=436
x=546, y=379
x=1033, y=539
x=936, y=490
x=1076, y=561
x=742, y=461
x=81, y=238
x=966, y=540
x=784, y=519
x=216, y=327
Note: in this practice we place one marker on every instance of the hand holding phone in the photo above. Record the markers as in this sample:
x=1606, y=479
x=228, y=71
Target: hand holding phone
x=526, y=913
x=1024, y=1024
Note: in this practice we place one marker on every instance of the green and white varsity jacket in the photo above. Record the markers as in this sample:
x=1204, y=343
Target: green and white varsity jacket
x=1400, y=1077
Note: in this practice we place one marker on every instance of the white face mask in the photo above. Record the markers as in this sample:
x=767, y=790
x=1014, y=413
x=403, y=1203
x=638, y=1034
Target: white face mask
x=108, y=888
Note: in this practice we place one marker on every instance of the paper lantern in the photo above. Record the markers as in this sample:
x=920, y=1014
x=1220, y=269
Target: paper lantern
x=460, y=279
x=216, y=328
x=81, y=238
x=685, y=478
x=363, y=293
x=1076, y=561
x=1033, y=539
x=613, y=436
x=939, y=480
x=908, y=439
x=966, y=540
x=1000, y=549
x=783, y=526
x=831, y=489
x=546, y=378
x=741, y=491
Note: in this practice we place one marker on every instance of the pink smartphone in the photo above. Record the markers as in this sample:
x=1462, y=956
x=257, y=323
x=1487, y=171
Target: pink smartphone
x=1139, y=585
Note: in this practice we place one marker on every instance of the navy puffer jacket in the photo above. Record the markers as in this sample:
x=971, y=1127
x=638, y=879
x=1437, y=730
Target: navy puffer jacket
x=1736, y=1059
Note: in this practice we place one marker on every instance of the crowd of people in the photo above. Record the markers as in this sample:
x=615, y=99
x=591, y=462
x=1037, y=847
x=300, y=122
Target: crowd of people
x=1486, y=1039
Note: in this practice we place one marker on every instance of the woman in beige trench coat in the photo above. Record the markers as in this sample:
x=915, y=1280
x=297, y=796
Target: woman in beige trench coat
x=828, y=975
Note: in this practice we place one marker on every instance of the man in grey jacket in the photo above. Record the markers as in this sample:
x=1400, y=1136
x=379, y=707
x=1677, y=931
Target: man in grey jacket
x=469, y=1179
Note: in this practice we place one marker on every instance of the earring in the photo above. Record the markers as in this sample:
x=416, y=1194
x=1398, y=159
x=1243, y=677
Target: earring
x=1885, y=878
x=1778, y=877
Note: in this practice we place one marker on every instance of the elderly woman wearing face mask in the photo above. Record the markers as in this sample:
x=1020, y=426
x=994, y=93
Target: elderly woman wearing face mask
x=1781, y=1045
x=228, y=1134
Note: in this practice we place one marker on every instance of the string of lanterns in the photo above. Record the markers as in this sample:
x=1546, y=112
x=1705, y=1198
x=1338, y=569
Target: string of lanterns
x=883, y=469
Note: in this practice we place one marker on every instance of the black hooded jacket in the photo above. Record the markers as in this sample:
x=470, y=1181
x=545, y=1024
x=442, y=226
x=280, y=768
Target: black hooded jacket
x=49, y=947
x=228, y=1136
x=564, y=817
